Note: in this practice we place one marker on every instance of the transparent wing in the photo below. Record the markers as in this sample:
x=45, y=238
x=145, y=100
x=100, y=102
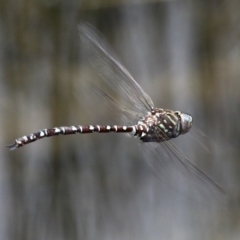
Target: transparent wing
x=128, y=116
x=173, y=168
x=176, y=171
x=113, y=73
x=164, y=159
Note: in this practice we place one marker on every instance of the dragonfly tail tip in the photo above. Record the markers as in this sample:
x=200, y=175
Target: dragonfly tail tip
x=12, y=146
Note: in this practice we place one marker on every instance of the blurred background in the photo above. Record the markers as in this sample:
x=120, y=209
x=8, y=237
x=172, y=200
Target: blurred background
x=185, y=55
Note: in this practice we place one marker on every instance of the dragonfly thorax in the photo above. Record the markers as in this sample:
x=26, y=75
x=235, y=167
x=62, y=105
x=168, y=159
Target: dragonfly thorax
x=161, y=125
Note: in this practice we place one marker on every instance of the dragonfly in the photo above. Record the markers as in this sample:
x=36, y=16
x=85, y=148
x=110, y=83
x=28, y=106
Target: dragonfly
x=153, y=125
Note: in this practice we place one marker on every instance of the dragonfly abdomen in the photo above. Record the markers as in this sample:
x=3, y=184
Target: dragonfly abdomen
x=157, y=126
x=65, y=130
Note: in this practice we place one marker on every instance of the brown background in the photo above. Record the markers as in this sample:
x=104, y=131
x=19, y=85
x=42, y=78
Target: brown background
x=185, y=55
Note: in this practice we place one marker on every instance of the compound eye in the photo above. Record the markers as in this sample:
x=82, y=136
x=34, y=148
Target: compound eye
x=186, y=121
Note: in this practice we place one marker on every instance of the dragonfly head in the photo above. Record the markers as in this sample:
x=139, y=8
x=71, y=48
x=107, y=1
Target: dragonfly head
x=185, y=122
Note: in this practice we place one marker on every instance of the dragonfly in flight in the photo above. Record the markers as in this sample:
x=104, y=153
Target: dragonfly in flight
x=153, y=125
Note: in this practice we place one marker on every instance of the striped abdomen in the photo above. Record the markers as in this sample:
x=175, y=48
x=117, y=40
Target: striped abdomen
x=72, y=130
x=157, y=126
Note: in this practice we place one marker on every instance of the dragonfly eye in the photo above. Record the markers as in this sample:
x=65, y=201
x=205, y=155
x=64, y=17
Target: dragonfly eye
x=186, y=122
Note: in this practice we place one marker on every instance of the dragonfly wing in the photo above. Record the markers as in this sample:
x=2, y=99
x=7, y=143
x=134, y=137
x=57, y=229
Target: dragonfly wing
x=164, y=159
x=127, y=115
x=112, y=72
x=176, y=171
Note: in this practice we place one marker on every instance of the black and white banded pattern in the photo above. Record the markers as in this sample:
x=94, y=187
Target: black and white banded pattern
x=157, y=126
x=65, y=130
